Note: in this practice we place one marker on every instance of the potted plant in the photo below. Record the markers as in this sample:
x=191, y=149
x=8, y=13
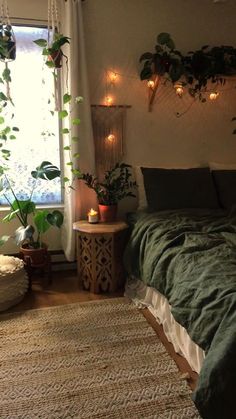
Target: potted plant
x=29, y=235
x=115, y=186
x=7, y=43
x=53, y=50
x=193, y=70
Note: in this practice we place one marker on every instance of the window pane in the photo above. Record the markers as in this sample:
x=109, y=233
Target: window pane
x=38, y=139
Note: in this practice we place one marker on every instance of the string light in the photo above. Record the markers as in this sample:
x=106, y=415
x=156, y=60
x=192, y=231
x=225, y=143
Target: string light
x=111, y=138
x=113, y=77
x=109, y=100
x=150, y=84
x=213, y=95
x=179, y=90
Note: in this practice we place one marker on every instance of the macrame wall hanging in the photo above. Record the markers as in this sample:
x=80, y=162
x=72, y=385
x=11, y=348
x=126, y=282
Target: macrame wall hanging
x=109, y=135
x=7, y=43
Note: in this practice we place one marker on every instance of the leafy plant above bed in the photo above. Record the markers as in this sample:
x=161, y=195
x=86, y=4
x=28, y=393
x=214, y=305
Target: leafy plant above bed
x=195, y=70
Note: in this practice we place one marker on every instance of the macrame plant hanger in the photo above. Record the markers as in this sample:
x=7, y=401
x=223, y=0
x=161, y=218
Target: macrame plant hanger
x=53, y=27
x=8, y=43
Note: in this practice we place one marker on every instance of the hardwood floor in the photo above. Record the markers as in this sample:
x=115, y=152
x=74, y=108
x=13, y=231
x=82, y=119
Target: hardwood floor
x=64, y=290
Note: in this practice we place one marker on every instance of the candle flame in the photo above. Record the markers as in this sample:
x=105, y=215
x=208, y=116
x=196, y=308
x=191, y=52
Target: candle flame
x=92, y=212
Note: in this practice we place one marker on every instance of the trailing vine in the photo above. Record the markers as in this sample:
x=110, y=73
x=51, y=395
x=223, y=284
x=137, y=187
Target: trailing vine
x=194, y=70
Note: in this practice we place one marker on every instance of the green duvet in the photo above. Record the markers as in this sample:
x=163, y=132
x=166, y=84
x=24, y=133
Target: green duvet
x=190, y=257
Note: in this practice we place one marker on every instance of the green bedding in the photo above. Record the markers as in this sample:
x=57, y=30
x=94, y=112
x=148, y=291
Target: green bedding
x=190, y=257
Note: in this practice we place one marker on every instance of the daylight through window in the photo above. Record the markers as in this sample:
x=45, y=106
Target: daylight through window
x=32, y=90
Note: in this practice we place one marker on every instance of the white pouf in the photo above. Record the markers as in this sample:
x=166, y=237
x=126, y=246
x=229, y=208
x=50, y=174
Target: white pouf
x=13, y=281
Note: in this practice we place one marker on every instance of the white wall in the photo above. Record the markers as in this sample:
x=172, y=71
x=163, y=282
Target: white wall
x=117, y=33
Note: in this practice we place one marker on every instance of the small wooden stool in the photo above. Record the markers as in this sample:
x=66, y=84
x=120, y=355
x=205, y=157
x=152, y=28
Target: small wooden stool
x=99, y=255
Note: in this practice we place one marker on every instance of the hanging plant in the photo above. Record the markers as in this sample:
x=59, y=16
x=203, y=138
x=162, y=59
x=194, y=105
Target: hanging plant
x=52, y=47
x=195, y=70
x=7, y=43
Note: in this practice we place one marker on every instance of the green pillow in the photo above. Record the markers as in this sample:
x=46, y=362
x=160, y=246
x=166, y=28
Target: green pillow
x=179, y=188
x=225, y=182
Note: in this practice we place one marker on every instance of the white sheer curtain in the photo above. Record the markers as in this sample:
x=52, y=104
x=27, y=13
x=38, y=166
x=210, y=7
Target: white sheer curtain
x=78, y=202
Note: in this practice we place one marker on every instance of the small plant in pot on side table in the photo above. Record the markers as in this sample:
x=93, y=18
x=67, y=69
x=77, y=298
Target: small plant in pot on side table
x=115, y=186
x=29, y=237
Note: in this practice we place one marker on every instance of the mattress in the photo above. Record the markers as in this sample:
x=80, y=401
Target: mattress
x=144, y=296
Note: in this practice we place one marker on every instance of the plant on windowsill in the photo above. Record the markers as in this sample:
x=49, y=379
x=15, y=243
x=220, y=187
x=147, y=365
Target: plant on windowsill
x=115, y=186
x=29, y=235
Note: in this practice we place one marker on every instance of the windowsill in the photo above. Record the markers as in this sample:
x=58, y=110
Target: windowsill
x=41, y=206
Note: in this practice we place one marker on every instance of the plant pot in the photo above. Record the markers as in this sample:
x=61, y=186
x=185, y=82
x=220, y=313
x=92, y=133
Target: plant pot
x=10, y=52
x=107, y=213
x=34, y=257
x=56, y=57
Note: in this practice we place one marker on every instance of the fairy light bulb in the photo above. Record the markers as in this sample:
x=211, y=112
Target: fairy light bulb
x=111, y=138
x=213, y=95
x=109, y=100
x=179, y=90
x=150, y=84
x=113, y=77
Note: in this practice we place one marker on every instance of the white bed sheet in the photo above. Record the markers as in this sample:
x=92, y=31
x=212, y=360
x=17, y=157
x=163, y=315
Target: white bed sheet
x=158, y=305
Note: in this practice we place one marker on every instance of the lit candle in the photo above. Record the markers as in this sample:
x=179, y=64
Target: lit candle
x=92, y=216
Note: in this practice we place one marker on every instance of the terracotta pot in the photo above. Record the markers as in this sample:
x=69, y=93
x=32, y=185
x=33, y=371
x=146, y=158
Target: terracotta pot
x=56, y=57
x=107, y=213
x=34, y=257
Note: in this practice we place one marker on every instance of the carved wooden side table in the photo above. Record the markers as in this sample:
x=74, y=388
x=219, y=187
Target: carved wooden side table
x=99, y=255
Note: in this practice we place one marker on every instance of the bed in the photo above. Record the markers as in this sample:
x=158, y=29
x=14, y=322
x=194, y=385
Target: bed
x=181, y=263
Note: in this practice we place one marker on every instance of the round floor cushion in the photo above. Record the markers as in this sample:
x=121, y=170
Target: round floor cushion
x=13, y=281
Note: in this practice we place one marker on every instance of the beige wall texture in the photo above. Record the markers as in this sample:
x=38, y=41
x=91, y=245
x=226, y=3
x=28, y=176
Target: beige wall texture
x=117, y=32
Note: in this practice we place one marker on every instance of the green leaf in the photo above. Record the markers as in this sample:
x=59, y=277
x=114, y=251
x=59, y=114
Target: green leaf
x=63, y=114
x=146, y=56
x=163, y=38
x=76, y=121
x=15, y=129
x=75, y=139
x=67, y=147
x=50, y=64
x=55, y=218
x=65, y=131
x=2, y=96
x=76, y=172
x=4, y=239
x=66, y=98
x=66, y=179
x=41, y=42
x=46, y=171
x=76, y=155
x=69, y=163
x=6, y=74
x=12, y=137
x=170, y=44
x=146, y=73
x=40, y=220
x=2, y=120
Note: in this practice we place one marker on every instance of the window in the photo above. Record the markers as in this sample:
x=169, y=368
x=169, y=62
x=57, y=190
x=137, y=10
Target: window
x=32, y=90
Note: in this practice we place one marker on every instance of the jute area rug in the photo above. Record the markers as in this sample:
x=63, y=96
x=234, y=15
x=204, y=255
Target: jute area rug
x=87, y=360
